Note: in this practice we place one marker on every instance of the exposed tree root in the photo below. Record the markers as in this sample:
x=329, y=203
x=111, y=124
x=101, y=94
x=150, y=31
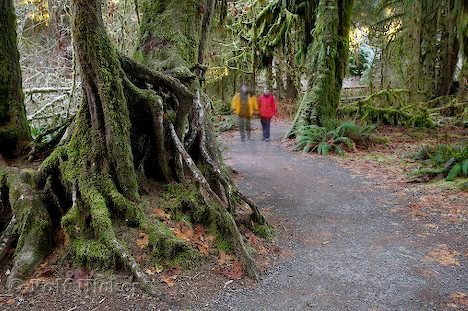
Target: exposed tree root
x=209, y=195
x=132, y=124
x=7, y=237
x=30, y=224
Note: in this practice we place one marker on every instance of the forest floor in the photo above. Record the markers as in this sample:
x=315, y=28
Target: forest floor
x=359, y=236
x=352, y=234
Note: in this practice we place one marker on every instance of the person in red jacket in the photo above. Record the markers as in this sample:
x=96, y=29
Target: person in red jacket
x=267, y=110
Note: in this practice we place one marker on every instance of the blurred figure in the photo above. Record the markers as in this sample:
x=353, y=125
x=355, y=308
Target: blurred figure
x=243, y=105
x=267, y=107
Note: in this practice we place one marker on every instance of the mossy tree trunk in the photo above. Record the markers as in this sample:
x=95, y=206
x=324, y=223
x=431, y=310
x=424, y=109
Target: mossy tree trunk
x=134, y=122
x=434, y=49
x=462, y=24
x=327, y=61
x=14, y=129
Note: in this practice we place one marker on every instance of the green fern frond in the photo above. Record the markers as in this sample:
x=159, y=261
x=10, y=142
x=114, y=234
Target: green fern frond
x=323, y=148
x=454, y=172
x=465, y=167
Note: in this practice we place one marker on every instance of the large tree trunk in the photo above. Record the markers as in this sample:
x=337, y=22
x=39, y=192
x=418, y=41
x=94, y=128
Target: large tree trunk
x=133, y=121
x=328, y=56
x=14, y=129
x=462, y=24
x=434, y=49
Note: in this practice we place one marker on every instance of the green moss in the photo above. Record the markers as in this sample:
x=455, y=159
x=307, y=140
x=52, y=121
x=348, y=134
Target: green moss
x=265, y=231
x=327, y=59
x=187, y=259
x=14, y=129
x=180, y=197
x=169, y=36
x=53, y=160
x=93, y=254
x=224, y=244
x=72, y=223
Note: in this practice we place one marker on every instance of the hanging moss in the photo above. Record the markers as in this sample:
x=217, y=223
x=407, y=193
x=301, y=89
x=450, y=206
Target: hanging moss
x=169, y=35
x=328, y=61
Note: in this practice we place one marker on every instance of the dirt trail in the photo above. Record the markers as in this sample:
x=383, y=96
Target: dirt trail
x=347, y=249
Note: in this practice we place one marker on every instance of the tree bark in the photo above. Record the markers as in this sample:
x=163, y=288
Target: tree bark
x=462, y=24
x=14, y=128
x=434, y=49
x=329, y=55
x=126, y=126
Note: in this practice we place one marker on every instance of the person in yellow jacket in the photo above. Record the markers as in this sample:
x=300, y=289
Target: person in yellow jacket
x=244, y=105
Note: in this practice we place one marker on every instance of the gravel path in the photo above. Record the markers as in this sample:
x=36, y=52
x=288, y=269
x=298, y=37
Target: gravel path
x=347, y=249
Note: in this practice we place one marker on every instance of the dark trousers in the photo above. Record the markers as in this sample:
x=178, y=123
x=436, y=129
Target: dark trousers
x=244, y=126
x=266, y=127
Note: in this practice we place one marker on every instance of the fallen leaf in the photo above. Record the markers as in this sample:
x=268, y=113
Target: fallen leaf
x=222, y=258
x=234, y=271
x=253, y=239
x=171, y=275
x=45, y=272
x=61, y=238
x=150, y=271
x=182, y=231
x=444, y=256
x=10, y=301
x=169, y=280
x=143, y=240
x=203, y=248
x=261, y=250
x=161, y=214
x=199, y=230
x=460, y=298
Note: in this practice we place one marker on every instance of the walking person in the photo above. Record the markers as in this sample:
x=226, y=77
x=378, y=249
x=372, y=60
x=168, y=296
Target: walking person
x=243, y=105
x=267, y=108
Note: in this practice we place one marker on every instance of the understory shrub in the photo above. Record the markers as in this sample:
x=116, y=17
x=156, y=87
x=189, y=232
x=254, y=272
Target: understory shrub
x=337, y=138
x=444, y=161
x=399, y=107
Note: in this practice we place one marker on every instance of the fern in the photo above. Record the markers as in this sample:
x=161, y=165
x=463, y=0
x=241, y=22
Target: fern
x=449, y=161
x=323, y=148
x=454, y=172
x=336, y=137
x=465, y=167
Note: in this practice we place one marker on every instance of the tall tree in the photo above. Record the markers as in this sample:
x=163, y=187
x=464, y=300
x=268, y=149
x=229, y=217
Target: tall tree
x=435, y=49
x=14, y=129
x=327, y=61
x=462, y=24
x=414, y=55
x=135, y=122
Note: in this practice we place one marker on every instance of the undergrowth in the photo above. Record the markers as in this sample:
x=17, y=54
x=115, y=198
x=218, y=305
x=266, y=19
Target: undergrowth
x=337, y=138
x=397, y=107
x=442, y=161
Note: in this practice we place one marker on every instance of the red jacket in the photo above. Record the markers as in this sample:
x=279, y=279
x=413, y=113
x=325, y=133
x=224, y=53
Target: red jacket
x=267, y=106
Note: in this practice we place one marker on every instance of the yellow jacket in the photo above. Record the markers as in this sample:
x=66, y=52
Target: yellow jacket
x=236, y=105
